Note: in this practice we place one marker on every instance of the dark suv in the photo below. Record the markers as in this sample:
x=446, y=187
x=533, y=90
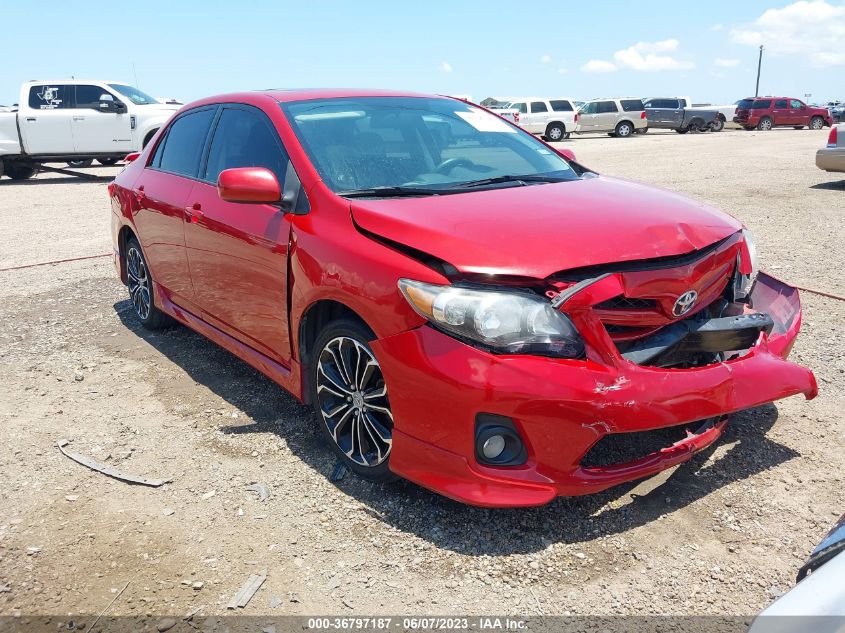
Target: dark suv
x=764, y=113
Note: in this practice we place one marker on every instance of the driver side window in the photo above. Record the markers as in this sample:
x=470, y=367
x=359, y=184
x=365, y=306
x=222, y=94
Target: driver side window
x=88, y=96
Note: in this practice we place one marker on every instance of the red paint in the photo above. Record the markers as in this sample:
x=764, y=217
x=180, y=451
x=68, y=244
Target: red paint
x=244, y=273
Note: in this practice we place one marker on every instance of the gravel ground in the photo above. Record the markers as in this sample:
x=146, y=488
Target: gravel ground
x=724, y=534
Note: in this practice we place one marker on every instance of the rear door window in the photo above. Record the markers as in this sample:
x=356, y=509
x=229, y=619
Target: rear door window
x=245, y=138
x=780, y=103
x=561, y=105
x=603, y=107
x=538, y=106
x=50, y=97
x=761, y=104
x=633, y=105
x=184, y=143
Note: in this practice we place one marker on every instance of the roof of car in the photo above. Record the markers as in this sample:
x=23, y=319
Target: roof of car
x=335, y=93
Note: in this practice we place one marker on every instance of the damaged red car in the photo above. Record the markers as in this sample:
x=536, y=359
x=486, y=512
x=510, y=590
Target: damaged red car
x=463, y=305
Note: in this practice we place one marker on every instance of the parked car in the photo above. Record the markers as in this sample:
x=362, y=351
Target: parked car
x=674, y=113
x=817, y=602
x=73, y=120
x=764, y=113
x=553, y=119
x=837, y=113
x=453, y=306
x=618, y=117
x=832, y=157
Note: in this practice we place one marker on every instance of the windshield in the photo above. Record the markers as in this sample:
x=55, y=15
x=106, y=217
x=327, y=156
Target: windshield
x=134, y=95
x=428, y=145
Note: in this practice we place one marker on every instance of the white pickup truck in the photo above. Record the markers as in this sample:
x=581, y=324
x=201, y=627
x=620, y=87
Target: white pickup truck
x=72, y=120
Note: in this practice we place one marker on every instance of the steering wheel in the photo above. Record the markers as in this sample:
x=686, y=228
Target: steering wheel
x=450, y=163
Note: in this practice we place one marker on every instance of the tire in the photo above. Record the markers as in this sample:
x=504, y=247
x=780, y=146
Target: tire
x=642, y=130
x=81, y=163
x=343, y=360
x=816, y=123
x=797, y=127
x=107, y=161
x=20, y=171
x=747, y=128
x=682, y=130
x=718, y=125
x=555, y=132
x=624, y=129
x=140, y=284
x=765, y=124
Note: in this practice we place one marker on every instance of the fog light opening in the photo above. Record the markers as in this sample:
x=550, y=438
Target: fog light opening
x=497, y=441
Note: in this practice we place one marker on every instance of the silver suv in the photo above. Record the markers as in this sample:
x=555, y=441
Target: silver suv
x=618, y=117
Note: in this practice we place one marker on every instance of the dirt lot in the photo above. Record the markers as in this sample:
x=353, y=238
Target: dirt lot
x=725, y=534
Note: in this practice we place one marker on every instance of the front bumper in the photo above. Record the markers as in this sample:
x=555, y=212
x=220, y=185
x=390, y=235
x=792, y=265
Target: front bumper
x=831, y=159
x=562, y=408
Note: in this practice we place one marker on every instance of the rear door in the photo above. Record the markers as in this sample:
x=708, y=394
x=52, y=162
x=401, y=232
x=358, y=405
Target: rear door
x=238, y=253
x=780, y=112
x=46, y=126
x=162, y=192
x=96, y=131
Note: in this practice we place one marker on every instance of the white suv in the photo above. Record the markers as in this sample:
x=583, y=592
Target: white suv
x=618, y=117
x=553, y=119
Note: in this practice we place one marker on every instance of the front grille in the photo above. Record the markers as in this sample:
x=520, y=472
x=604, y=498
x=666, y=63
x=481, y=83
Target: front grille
x=622, y=448
x=627, y=303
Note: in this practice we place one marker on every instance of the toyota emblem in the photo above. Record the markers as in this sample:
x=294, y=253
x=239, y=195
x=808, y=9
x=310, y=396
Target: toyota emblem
x=684, y=303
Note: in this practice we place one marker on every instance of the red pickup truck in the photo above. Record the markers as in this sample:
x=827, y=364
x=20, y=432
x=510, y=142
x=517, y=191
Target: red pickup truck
x=764, y=113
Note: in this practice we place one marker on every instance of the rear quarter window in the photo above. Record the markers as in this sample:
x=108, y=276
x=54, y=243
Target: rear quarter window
x=632, y=105
x=561, y=105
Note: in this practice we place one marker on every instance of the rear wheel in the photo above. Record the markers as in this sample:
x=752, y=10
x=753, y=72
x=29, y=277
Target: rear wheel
x=747, y=128
x=718, y=125
x=555, y=132
x=140, y=284
x=624, y=129
x=350, y=399
x=765, y=124
x=816, y=123
x=798, y=127
x=682, y=130
x=107, y=161
x=81, y=163
x=20, y=171
x=643, y=130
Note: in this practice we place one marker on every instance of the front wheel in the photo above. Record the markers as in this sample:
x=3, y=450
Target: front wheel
x=140, y=284
x=350, y=399
x=624, y=129
x=682, y=130
x=718, y=125
x=555, y=132
x=81, y=163
x=107, y=161
x=642, y=130
x=816, y=123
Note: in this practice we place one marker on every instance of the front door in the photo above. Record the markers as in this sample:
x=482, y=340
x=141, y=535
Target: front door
x=238, y=253
x=797, y=113
x=46, y=126
x=587, y=118
x=96, y=131
x=606, y=114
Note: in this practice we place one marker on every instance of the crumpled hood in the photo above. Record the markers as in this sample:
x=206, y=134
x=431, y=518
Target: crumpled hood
x=537, y=230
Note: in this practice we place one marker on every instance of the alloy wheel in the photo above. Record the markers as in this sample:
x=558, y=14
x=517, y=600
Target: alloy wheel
x=353, y=403
x=555, y=133
x=139, y=283
x=816, y=123
x=624, y=130
x=765, y=124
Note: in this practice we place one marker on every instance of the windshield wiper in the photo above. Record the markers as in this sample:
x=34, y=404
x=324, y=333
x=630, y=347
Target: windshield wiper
x=388, y=192
x=508, y=178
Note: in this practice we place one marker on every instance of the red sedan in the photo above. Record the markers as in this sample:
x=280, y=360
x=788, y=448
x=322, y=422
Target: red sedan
x=463, y=305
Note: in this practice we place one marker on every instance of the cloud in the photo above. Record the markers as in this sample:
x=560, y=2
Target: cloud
x=726, y=63
x=545, y=59
x=642, y=56
x=598, y=66
x=445, y=67
x=814, y=29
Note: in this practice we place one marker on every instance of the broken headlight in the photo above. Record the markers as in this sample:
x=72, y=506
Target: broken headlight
x=502, y=321
x=744, y=283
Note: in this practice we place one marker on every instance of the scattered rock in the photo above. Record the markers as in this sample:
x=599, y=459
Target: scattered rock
x=165, y=624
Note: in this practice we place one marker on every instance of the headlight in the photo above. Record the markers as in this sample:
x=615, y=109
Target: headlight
x=505, y=322
x=744, y=283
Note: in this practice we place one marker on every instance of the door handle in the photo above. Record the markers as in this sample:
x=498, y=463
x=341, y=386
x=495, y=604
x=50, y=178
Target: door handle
x=79, y=118
x=31, y=119
x=194, y=213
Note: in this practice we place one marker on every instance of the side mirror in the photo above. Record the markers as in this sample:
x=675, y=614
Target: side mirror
x=249, y=185
x=568, y=154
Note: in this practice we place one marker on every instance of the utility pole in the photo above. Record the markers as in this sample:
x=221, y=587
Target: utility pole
x=759, y=63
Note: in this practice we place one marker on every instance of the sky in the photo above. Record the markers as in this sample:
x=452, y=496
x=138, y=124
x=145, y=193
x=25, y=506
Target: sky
x=188, y=49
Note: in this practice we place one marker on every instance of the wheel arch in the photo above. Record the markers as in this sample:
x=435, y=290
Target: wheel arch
x=314, y=319
x=123, y=236
x=149, y=136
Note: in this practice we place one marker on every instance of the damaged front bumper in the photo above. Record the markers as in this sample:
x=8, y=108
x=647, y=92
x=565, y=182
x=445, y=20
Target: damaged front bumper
x=562, y=409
